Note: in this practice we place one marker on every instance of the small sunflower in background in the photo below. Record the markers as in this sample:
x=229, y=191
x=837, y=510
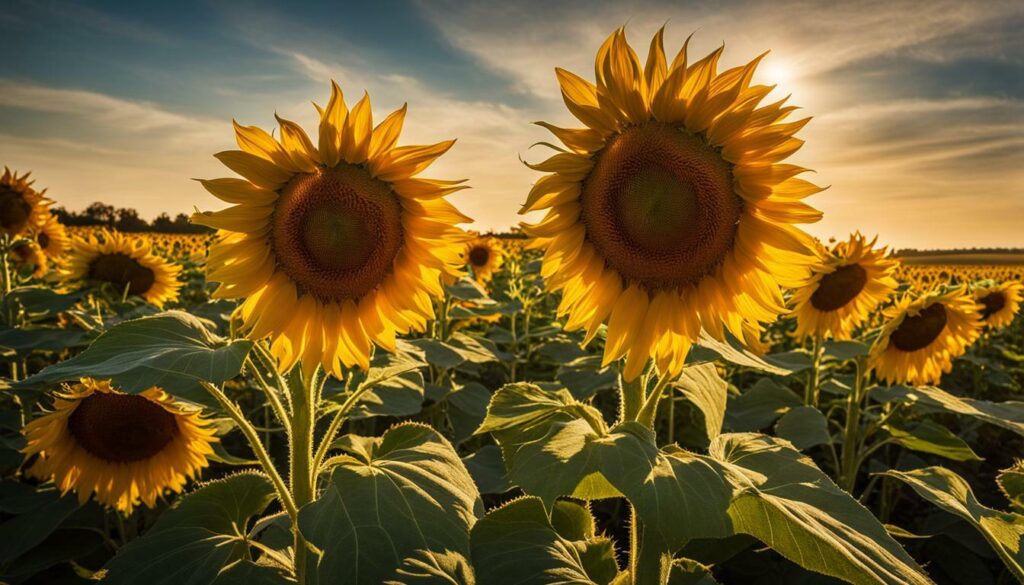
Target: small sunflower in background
x=28, y=255
x=484, y=257
x=845, y=287
x=671, y=211
x=21, y=206
x=52, y=238
x=342, y=232
x=124, y=448
x=126, y=263
x=998, y=303
x=923, y=336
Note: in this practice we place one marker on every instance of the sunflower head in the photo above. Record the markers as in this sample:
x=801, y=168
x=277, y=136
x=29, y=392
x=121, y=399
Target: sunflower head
x=52, y=238
x=125, y=262
x=21, y=206
x=342, y=230
x=29, y=255
x=670, y=211
x=923, y=335
x=845, y=286
x=484, y=258
x=999, y=303
x=125, y=449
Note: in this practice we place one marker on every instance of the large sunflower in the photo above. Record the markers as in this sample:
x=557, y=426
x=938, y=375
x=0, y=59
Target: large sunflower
x=21, y=206
x=484, y=258
x=124, y=448
x=845, y=286
x=670, y=213
x=923, y=336
x=334, y=247
x=126, y=262
x=999, y=303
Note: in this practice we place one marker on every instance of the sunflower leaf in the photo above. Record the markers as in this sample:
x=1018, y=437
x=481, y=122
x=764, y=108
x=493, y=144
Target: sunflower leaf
x=1008, y=415
x=409, y=497
x=199, y=539
x=173, y=350
x=1004, y=531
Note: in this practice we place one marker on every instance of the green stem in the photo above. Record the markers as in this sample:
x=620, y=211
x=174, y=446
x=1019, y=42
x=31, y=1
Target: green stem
x=646, y=558
x=256, y=445
x=272, y=398
x=851, y=431
x=649, y=411
x=631, y=397
x=301, y=477
x=812, y=392
x=5, y=264
x=339, y=419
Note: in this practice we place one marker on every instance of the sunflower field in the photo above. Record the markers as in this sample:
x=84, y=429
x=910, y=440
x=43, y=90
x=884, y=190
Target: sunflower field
x=664, y=380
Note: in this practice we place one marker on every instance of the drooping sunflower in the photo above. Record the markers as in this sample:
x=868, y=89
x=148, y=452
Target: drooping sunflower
x=671, y=212
x=484, y=258
x=923, y=336
x=124, y=448
x=846, y=285
x=999, y=303
x=21, y=206
x=342, y=233
x=29, y=255
x=126, y=262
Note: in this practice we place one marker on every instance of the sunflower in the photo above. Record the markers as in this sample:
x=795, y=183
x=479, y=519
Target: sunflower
x=127, y=263
x=484, y=257
x=342, y=233
x=845, y=286
x=52, y=237
x=29, y=255
x=670, y=212
x=999, y=302
x=21, y=206
x=923, y=336
x=124, y=448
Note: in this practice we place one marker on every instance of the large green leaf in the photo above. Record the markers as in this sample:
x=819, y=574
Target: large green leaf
x=702, y=386
x=393, y=499
x=1008, y=415
x=804, y=426
x=173, y=350
x=760, y=406
x=709, y=348
x=393, y=386
x=930, y=437
x=552, y=450
x=1011, y=483
x=197, y=540
x=517, y=545
x=785, y=501
x=947, y=490
x=39, y=514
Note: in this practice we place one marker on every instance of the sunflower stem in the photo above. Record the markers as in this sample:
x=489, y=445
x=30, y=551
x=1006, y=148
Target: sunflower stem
x=631, y=397
x=271, y=393
x=304, y=400
x=256, y=445
x=812, y=392
x=649, y=411
x=340, y=416
x=850, y=457
x=5, y=264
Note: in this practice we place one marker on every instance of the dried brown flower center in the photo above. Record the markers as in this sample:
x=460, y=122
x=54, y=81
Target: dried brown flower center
x=918, y=331
x=336, y=232
x=122, y=271
x=43, y=239
x=991, y=304
x=122, y=427
x=659, y=206
x=15, y=211
x=836, y=289
x=479, y=256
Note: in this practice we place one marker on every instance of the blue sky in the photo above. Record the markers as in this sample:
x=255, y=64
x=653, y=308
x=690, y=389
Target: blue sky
x=918, y=106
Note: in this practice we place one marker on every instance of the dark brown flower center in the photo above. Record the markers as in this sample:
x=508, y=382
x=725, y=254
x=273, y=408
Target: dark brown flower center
x=918, y=331
x=14, y=210
x=122, y=271
x=479, y=256
x=659, y=206
x=122, y=427
x=336, y=232
x=43, y=240
x=838, y=288
x=991, y=304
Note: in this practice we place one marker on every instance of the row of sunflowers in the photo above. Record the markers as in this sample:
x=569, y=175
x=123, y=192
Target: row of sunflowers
x=664, y=380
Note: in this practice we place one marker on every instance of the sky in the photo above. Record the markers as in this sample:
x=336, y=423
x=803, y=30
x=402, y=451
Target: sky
x=918, y=107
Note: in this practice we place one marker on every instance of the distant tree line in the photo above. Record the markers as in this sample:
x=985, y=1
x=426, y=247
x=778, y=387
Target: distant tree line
x=908, y=252
x=127, y=220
